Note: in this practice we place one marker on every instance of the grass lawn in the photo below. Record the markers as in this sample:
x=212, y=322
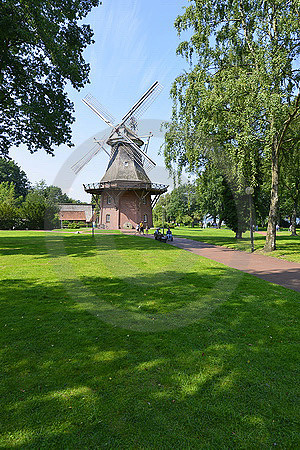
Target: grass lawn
x=288, y=247
x=125, y=342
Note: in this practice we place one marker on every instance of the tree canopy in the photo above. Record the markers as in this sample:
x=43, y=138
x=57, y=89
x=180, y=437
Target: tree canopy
x=41, y=49
x=241, y=95
x=181, y=205
x=10, y=172
x=8, y=206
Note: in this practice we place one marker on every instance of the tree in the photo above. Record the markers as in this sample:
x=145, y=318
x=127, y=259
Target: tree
x=11, y=172
x=40, y=209
x=38, y=212
x=41, y=49
x=8, y=206
x=53, y=194
x=241, y=95
x=290, y=179
x=181, y=205
x=210, y=189
x=218, y=199
x=235, y=210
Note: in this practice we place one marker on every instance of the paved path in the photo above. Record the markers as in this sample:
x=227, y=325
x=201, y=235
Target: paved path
x=278, y=271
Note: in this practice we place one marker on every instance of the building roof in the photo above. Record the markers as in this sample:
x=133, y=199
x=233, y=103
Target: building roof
x=72, y=215
x=125, y=165
x=76, y=211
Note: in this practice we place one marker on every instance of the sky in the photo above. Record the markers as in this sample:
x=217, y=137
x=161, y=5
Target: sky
x=135, y=45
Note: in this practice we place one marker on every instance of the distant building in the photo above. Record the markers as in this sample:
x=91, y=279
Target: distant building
x=76, y=212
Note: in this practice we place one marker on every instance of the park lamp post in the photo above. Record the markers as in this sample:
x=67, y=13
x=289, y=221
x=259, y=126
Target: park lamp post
x=249, y=191
x=93, y=223
x=163, y=219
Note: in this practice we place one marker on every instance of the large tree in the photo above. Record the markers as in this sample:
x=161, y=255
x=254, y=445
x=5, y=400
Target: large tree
x=9, y=211
x=38, y=211
x=181, y=205
x=289, y=192
x=53, y=194
x=241, y=94
x=10, y=172
x=41, y=49
x=210, y=190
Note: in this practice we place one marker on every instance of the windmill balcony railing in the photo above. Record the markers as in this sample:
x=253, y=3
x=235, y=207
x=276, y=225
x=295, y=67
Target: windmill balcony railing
x=125, y=185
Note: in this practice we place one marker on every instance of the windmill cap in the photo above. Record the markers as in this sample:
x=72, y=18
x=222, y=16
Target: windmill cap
x=115, y=137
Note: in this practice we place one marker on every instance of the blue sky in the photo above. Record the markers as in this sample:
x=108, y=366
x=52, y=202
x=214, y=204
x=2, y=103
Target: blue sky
x=135, y=44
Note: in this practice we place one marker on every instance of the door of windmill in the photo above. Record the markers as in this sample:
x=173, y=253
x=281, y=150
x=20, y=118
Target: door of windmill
x=129, y=209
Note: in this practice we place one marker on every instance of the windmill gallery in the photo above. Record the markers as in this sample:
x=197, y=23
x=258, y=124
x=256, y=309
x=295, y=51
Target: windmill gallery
x=125, y=195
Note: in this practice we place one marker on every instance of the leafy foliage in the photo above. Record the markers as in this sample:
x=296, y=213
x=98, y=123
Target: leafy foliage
x=11, y=172
x=53, y=194
x=8, y=206
x=181, y=205
x=38, y=212
x=290, y=178
x=241, y=95
x=41, y=49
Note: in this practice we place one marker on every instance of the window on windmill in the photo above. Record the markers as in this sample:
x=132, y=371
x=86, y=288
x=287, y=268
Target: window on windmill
x=126, y=163
x=145, y=218
x=107, y=218
x=108, y=200
x=144, y=201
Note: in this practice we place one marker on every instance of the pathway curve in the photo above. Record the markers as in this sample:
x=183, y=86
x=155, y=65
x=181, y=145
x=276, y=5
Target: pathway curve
x=278, y=271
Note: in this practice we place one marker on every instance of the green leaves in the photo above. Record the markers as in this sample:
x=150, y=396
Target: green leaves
x=234, y=108
x=41, y=49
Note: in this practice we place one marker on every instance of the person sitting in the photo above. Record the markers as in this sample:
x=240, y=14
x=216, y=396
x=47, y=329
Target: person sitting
x=169, y=234
x=157, y=232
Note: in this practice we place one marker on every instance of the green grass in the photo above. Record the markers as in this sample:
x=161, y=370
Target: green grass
x=87, y=230
x=288, y=247
x=125, y=342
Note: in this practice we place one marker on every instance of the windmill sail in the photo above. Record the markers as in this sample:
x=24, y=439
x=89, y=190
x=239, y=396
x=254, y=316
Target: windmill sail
x=97, y=147
x=142, y=104
x=99, y=109
x=128, y=122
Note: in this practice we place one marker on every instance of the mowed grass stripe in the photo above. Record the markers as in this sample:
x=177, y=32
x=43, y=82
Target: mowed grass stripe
x=288, y=246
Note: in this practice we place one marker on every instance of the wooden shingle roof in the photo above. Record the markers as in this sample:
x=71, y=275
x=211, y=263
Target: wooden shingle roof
x=72, y=215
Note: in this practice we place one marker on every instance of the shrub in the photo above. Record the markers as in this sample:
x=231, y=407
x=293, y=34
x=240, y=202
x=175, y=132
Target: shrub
x=73, y=225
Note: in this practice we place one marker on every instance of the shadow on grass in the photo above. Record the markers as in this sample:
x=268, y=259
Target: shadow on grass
x=72, y=381
x=285, y=243
x=229, y=241
x=23, y=245
x=82, y=245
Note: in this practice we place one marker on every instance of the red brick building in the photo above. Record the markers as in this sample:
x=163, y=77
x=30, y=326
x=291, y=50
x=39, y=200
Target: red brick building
x=75, y=212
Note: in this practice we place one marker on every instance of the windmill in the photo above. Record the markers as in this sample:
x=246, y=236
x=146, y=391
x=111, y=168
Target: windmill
x=125, y=194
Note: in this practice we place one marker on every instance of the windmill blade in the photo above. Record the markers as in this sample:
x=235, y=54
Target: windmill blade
x=147, y=142
x=99, y=109
x=143, y=103
x=133, y=154
x=97, y=147
x=145, y=159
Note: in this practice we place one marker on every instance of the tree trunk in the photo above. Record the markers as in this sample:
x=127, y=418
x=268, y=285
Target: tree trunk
x=238, y=234
x=270, y=243
x=293, y=221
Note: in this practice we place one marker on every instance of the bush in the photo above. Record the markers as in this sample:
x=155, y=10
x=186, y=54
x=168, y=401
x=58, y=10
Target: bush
x=163, y=225
x=73, y=225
